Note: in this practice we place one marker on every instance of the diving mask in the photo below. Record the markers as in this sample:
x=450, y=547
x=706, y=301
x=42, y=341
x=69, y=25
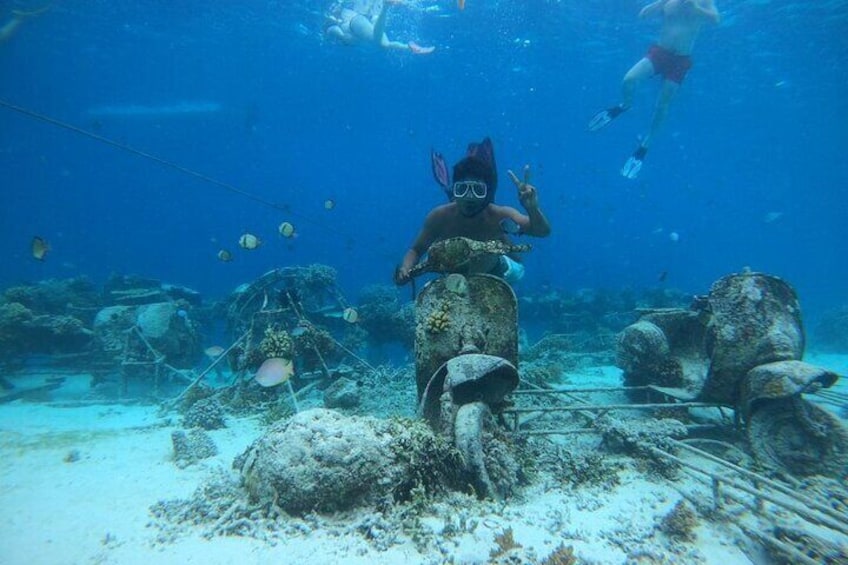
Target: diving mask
x=478, y=189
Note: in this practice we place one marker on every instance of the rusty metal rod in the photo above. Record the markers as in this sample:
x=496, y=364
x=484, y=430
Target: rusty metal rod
x=614, y=407
x=801, y=509
x=574, y=390
x=206, y=371
x=784, y=489
x=798, y=556
x=564, y=431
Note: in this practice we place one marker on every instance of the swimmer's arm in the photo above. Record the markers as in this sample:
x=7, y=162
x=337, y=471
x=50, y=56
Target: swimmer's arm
x=534, y=223
x=411, y=258
x=422, y=243
x=539, y=225
x=652, y=9
x=707, y=9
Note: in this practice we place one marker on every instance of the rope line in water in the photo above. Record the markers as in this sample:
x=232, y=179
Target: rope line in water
x=164, y=162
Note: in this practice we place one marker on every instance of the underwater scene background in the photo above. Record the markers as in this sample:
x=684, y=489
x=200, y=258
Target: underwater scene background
x=749, y=170
x=203, y=355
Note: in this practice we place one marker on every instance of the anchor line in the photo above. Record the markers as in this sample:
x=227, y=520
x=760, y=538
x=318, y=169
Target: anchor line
x=169, y=164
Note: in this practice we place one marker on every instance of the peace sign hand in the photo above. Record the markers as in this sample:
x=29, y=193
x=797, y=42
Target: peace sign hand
x=526, y=191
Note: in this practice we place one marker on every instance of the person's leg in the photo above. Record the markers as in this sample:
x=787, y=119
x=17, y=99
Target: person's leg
x=380, y=29
x=385, y=43
x=335, y=32
x=667, y=92
x=640, y=71
x=380, y=23
x=634, y=163
x=637, y=73
x=362, y=29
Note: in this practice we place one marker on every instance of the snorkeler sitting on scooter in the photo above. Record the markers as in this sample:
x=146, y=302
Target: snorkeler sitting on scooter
x=472, y=213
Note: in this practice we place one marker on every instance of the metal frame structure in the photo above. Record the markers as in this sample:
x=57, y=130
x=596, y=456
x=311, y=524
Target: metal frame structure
x=817, y=528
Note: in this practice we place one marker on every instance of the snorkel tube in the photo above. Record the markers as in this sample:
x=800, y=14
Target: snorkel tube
x=440, y=172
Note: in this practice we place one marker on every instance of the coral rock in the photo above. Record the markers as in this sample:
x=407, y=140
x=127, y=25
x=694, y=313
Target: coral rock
x=320, y=460
x=191, y=447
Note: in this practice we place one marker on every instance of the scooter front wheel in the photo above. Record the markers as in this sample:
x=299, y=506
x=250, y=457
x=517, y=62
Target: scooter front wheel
x=798, y=437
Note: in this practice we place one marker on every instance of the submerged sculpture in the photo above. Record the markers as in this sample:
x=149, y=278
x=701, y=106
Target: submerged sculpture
x=454, y=254
x=466, y=357
x=741, y=346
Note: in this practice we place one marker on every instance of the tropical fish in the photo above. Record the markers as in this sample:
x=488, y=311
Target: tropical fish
x=225, y=256
x=213, y=351
x=40, y=247
x=350, y=315
x=249, y=241
x=772, y=217
x=329, y=204
x=274, y=371
x=286, y=229
x=328, y=311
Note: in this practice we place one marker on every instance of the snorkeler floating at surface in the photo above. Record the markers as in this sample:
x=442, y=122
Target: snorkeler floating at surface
x=472, y=213
x=356, y=26
x=669, y=57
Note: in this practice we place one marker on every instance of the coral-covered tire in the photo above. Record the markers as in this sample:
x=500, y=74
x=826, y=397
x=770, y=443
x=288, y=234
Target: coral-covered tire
x=798, y=437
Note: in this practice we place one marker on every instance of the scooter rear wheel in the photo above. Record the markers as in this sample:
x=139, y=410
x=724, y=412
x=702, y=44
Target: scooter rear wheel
x=798, y=437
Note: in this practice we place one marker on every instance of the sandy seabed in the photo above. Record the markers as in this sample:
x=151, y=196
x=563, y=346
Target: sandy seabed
x=77, y=485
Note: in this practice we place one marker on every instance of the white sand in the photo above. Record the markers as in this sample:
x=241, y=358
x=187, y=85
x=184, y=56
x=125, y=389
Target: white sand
x=97, y=509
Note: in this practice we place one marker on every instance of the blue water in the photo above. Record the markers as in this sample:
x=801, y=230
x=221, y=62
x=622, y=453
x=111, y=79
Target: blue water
x=758, y=128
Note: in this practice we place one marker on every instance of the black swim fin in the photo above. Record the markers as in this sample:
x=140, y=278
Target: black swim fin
x=603, y=118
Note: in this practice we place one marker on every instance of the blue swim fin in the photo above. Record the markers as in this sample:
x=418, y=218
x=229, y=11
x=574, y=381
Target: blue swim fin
x=633, y=165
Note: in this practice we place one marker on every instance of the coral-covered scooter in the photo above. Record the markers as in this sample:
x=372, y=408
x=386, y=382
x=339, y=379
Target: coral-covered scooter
x=741, y=347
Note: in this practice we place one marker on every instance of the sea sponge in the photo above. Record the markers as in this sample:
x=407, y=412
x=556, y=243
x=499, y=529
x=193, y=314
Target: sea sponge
x=439, y=319
x=505, y=542
x=590, y=468
x=385, y=316
x=276, y=343
x=680, y=522
x=14, y=313
x=191, y=447
x=63, y=325
x=432, y=463
x=562, y=555
x=207, y=414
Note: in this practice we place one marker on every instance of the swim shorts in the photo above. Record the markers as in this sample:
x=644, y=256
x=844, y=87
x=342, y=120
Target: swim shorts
x=670, y=65
x=508, y=269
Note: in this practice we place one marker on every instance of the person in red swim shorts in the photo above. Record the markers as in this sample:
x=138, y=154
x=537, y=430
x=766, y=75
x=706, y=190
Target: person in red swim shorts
x=669, y=57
